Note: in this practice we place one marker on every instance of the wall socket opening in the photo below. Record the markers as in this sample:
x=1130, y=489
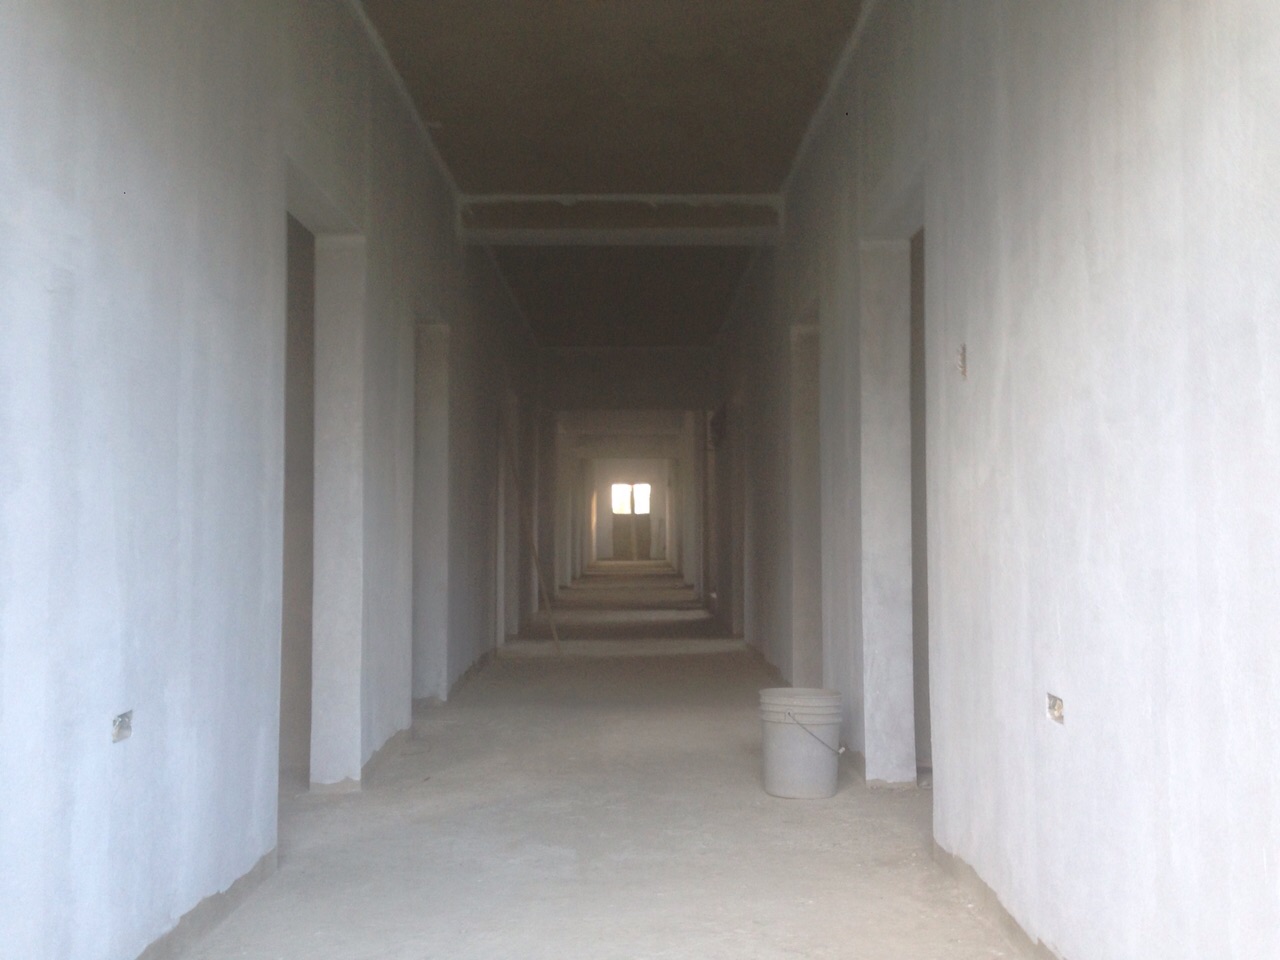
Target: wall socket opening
x=122, y=727
x=1055, y=709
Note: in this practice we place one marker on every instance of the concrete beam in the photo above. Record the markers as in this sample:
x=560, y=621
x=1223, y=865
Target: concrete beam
x=621, y=220
x=623, y=237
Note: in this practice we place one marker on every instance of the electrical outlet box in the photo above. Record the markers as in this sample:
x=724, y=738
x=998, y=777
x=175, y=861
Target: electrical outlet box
x=122, y=727
x=1055, y=709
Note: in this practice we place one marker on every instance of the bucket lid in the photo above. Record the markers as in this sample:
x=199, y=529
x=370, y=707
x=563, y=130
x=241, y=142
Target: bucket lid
x=799, y=695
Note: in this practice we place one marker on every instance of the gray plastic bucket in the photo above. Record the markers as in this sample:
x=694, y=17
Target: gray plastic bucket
x=801, y=741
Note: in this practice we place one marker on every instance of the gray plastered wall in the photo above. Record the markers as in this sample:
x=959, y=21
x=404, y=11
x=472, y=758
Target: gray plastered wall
x=142, y=282
x=1096, y=182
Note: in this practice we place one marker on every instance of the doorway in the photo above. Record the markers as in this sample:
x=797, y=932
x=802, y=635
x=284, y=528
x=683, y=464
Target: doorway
x=632, y=521
x=325, y=345
x=299, y=509
x=919, y=520
x=507, y=526
x=805, y=506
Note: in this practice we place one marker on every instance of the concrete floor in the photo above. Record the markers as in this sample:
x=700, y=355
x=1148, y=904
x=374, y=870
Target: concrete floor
x=603, y=808
x=627, y=600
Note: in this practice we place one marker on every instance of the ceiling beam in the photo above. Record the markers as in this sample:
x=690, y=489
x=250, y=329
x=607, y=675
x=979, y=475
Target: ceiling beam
x=357, y=10
x=771, y=201
x=620, y=237
x=749, y=220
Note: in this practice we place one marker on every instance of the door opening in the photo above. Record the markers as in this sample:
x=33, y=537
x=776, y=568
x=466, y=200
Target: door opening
x=919, y=518
x=807, y=653
x=632, y=521
x=500, y=542
x=299, y=513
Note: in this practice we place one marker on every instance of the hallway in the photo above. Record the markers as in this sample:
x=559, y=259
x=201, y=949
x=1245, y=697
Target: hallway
x=602, y=808
x=626, y=600
x=580, y=369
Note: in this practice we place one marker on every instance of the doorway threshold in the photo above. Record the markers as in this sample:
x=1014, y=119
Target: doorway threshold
x=656, y=647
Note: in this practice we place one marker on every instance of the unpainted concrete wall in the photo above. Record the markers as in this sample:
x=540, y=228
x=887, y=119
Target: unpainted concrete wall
x=729, y=485
x=484, y=367
x=804, y=507
x=1098, y=198
x=919, y=512
x=142, y=282
x=1103, y=222
x=142, y=291
x=730, y=488
x=888, y=647
x=689, y=479
x=432, y=498
x=758, y=350
x=510, y=543
x=858, y=181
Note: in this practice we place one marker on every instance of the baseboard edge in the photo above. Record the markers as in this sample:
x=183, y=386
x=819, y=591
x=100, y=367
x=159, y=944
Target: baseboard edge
x=197, y=922
x=978, y=888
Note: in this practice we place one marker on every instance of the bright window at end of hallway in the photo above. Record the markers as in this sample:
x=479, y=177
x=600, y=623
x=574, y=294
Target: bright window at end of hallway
x=622, y=498
x=642, y=491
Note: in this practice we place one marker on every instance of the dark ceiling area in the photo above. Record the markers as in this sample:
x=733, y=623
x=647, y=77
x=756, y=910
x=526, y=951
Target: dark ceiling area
x=624, y=296
x=616, y=96
x=667, y=124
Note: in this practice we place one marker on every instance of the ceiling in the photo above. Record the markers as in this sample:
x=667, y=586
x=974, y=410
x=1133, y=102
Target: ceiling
x=624, y=296
x=660, y=129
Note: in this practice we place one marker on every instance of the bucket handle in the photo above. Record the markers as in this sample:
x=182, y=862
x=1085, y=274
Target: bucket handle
x=791, y=717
